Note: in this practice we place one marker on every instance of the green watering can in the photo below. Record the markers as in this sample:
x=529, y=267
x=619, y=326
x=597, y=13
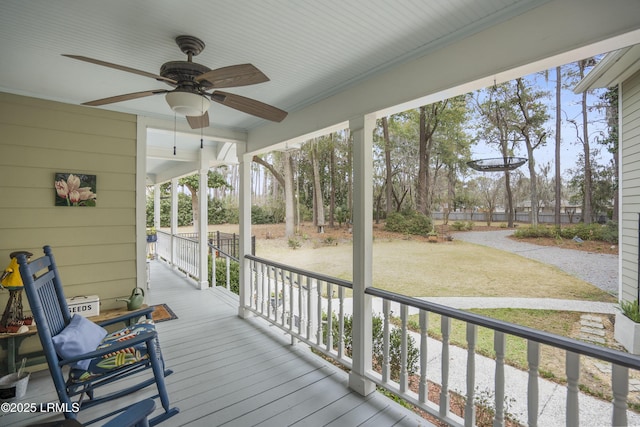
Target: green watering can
x=135, y=300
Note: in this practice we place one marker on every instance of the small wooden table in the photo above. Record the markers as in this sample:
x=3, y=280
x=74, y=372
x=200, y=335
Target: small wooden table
x=11, y=342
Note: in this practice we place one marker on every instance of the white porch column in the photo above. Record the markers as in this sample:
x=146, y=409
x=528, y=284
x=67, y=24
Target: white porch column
x=244, y=207
x=362, y=132
x=174, y=219
x=156, y=206
x=203, y=222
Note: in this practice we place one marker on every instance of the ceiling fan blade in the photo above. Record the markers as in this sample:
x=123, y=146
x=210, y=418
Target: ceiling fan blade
x=233, y=76
x=125, y=97
x=122, y=68
x=249, y=106
x=197, y=122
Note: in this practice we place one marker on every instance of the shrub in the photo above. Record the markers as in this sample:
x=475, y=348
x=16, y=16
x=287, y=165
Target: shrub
x=377, y=332
x=221, y=274
x=606, y=233
x=631, y=310
x=539, y=231
x=260, y=215
x=395, y=222
x=294, y=243
x=458, y=226
x=409, y=222
x=218, y=212
x=610, y=232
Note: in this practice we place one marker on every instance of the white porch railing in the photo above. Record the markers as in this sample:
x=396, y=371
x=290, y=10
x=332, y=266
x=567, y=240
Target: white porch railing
x=298, y=301
x=181, y=252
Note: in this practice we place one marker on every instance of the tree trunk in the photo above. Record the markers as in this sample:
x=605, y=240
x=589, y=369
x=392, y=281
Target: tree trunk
x=195, y=207
x=586, y=213
x=318, y=202
x=289, y=196
x=504, y=145
x=533, y=183
x=421, y=190
x=558, y=187
x=332, y=196
x=285, y=180
x=387, y=163
x=427, y=128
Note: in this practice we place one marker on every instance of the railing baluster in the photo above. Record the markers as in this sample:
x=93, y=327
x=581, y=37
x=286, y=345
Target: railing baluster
x=300, y=288
x=228, y=264
x=253, y=286
x=386, y=371
x=573, y=375
x=269, y=292
x=470, y=407
x=261, y=294
x=404, y=375
x=319, y=338
x=445, y=327
x=283, y=298
x=533, y=359
x=276, y=284
x=341, y=323
x=329, y=317
x=309, y=315
x=499, y=347
x=620, y=385
x=291, y=302
x=423, y=391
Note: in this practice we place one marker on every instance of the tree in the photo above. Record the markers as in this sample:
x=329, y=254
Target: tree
x=286, y=181
x=582, y=137
x=609, y=101
x=387, y=163
x=318, y=201
x=489, y=192
x=495, y=107
x=430, y=117
x=192, y=182
x=558, y=179
x=530, y=122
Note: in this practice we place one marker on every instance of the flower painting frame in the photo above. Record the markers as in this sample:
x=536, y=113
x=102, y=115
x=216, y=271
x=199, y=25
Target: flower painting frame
x=75, y=189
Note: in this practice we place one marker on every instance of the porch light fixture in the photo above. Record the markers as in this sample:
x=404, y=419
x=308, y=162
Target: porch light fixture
x=187, y=103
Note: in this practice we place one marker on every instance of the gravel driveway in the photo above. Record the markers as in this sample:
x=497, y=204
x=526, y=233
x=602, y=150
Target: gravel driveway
x=600, y=270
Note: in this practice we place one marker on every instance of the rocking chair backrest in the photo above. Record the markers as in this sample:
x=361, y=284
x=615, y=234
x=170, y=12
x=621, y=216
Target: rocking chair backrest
x=46, y=298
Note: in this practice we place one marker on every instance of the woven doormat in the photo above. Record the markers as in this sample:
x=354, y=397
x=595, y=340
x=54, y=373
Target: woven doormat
x=162, y=313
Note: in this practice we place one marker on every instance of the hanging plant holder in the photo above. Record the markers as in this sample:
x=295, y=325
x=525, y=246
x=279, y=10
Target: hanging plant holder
x=497, y=164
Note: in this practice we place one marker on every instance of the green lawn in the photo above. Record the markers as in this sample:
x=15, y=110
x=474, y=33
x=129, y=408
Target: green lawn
x=456, y=268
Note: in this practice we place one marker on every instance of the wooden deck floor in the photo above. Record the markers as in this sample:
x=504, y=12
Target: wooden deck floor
x=229, y=371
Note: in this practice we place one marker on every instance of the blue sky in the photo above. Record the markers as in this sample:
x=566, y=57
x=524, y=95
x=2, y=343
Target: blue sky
x=570, y=147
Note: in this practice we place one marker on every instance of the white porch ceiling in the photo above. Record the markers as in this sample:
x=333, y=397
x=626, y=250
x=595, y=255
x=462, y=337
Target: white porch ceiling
x=327, y=60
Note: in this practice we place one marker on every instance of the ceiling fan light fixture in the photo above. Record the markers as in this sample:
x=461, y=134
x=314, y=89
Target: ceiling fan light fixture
x=187, y=103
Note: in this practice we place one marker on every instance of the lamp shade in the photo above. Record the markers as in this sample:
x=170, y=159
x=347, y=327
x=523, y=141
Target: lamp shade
x=187, y=103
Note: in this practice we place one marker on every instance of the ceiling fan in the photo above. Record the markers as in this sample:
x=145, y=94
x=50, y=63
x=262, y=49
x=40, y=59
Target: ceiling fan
x=191, y=81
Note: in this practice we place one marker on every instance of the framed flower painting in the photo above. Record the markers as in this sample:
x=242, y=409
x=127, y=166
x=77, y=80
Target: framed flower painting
x=75, y=189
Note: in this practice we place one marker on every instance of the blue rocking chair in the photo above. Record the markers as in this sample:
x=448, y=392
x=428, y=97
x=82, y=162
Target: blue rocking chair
x=94, y=357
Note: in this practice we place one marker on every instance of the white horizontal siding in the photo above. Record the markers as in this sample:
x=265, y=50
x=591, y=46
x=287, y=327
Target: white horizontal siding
x=95, y=247
x=630, y=185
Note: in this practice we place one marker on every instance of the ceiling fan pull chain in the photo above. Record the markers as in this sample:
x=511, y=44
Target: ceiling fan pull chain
x=174, y=133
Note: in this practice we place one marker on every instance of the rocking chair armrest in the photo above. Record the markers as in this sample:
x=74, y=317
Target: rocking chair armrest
x=123, y=318
x=140, y=338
